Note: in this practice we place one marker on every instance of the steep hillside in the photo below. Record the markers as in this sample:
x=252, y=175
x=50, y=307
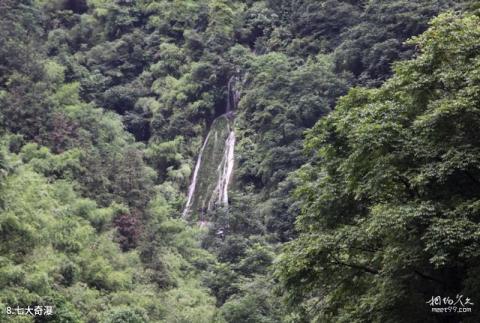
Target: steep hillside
x=153, y=161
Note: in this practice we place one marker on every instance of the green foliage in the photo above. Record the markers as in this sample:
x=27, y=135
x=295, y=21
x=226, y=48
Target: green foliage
x=49, y=247
x=255, y=303
x=389, y=199
x=105, y=104
x=126, y=315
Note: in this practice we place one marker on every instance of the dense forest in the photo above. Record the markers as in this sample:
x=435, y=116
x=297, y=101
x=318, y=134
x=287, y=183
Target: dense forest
x=239, y=160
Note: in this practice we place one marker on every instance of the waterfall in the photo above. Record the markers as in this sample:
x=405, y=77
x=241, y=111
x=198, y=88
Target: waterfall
x=233, y=95
x=191, y=189
x=224, y=171
x=215, y=163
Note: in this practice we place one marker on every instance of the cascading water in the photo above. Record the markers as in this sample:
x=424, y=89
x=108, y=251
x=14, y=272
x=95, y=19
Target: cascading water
x=215, y=163
x=191, y=189
x=224, y=170
x=233, y=94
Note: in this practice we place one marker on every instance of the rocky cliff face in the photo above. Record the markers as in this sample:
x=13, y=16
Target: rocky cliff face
x=215, y=163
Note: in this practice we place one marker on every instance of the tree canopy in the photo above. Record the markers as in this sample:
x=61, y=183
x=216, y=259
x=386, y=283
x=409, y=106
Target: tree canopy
x=390, y=198
x=354, y=189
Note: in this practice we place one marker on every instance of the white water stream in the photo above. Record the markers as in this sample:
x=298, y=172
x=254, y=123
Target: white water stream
x=224, y=170
x=191, y=189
